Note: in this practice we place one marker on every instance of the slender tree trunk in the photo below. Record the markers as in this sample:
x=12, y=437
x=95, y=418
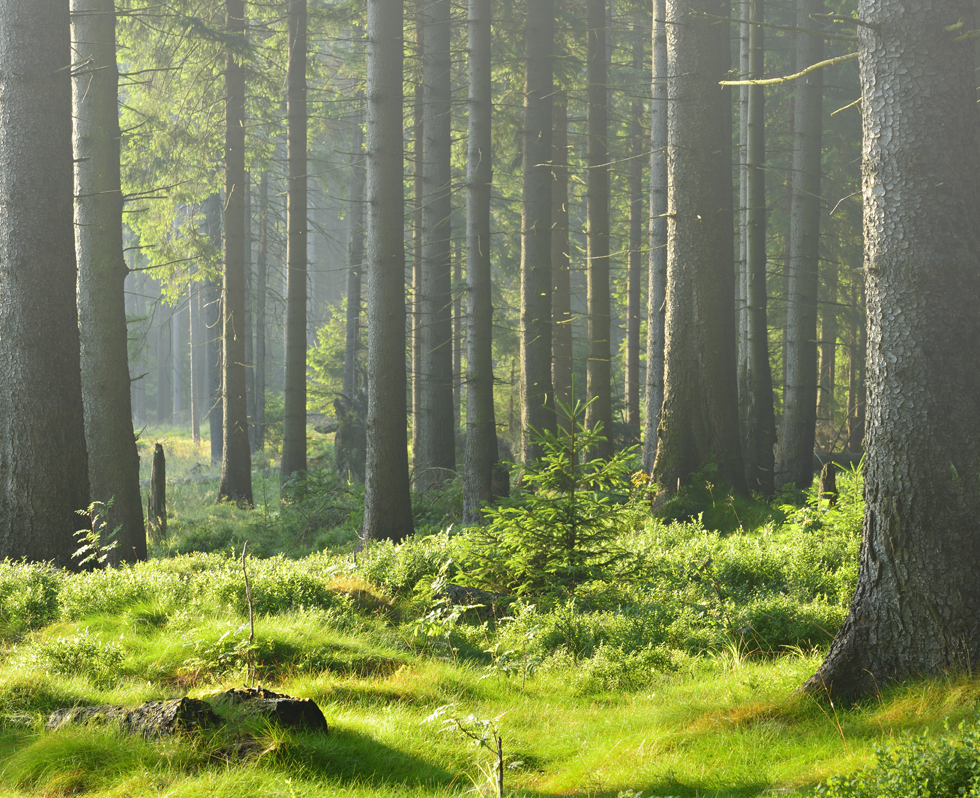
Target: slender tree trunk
x=356, y=257
x=828, y=358
x=418, y=201
x=261, y=295
x=294, y=419
x=481, y=428
x=165, y=397
x=236, y=459
x=112, y=457
x=855, y=423
x=249, y=324
x=657, y=288
x=796, y=434
x=758, y=421
x=634, y=265
x=537, y=401
x=917, y=602
x=43, y=463
x=197, y=359
x=437, y=458
x=699, y=424
x=387, y=501
x=561, y=297
x=176, y=358
x=598, y=372
x=211, y=297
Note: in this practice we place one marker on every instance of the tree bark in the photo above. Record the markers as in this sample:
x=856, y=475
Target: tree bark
x=481, y=427
x=418, y=201
x=561, y=296
x=537, y=401
x=111, y=442
x=796, y=433
x=352, y=342
x=917, y=604
x=827, y=434
x=599, y=365
x=699, y=425
x=856, y=392
x=43, y=462
x=758, y=421
x=387, y=502
x=261, y=296
x=294, y=419
x=634, y=268
x=156, y=496
x=437, y=456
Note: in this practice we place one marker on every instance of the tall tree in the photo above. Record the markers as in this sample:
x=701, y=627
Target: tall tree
x=758, y=422
x=236, y=459
x=481, y=427
x=657, y=277
x=917, y=602
x=112, y=456
x=599, y=366
x=43, y=462
x=561, y=297
x=699, y=423
x=536, y=386
x=437, y=446
x=294, y=418
x=352, y=338
x=796, y=433
x=387, y=501
x=634, y=269
x=261, y=293
x=418, y=203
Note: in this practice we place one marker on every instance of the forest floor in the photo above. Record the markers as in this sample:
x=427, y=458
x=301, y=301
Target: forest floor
x=674, y=676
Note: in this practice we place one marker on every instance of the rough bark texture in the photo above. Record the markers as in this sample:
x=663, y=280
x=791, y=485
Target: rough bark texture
x=561, y=297
x=599, y=365
x=917, y=604
x=699, y=424
x=436, y=460
x=796, y=432
x=387, y=502
x=294, y=411
x=236, y=457
x=156, y=495
x=537, y=401
x=657, y=289
x=481, y=427
x=758, y=421
x=112, y=456
x=43, y=462
x=634, y=269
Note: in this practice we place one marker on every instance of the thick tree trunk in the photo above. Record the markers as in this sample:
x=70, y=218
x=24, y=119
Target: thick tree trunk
x=43, y=463
x=387, y=502
x=236, y=458
x=634, y=269
x=917, y=604
x=657, y=288
x=561, y=297
x=437, y=445
x=537, y=401
x=294, y=412
x=156, y=495
x=481, y=428
x=112, y=456
x=758, y=422
x=599, y=366
x=699, y=424
x=796, y=433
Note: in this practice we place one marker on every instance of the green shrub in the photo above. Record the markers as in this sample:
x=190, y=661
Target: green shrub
x=401, y=568
x=28, y=596
x=81, y=655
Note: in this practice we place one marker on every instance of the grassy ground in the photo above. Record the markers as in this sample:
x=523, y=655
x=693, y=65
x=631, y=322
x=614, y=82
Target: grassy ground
x=664, y=679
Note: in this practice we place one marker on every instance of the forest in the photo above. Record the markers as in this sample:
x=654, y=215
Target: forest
x=409, y=397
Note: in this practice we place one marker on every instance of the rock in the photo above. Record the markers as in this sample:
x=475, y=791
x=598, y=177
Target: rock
x=289, y=712
x=152, y=719
x=482, y=602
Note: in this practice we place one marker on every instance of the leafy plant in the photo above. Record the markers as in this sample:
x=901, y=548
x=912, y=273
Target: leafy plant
x=563, y=532
x=95, y=544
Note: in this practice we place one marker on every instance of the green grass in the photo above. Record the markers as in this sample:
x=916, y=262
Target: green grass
x=674, y=673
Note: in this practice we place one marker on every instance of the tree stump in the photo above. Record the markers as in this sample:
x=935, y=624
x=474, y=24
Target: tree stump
x=828, y=483
x=152, y=719
x=156, y=498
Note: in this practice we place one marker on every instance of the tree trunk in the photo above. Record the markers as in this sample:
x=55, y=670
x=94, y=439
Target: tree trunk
x=826, y=432
x=176, y=358
x=796, y=434
x=459, y=334
x=112, y=456
x=211, y=298
x=699, y=424
x=481, y=428
x=657, y=288
x=758, y=422
x=294, y=411
x=856, y=390
x=634, y=268
x=197, y=359
x=156, y=496
x=418, y=201
x=43, y=463
x=561, y=296
x=236, y=459
x=164, y=344
x=437, y=458
x=537, y=402
x=598, y=370
x=261, y=295
x=248, y=324
x=387, y=502
x=917, y=602
x=352, y=340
